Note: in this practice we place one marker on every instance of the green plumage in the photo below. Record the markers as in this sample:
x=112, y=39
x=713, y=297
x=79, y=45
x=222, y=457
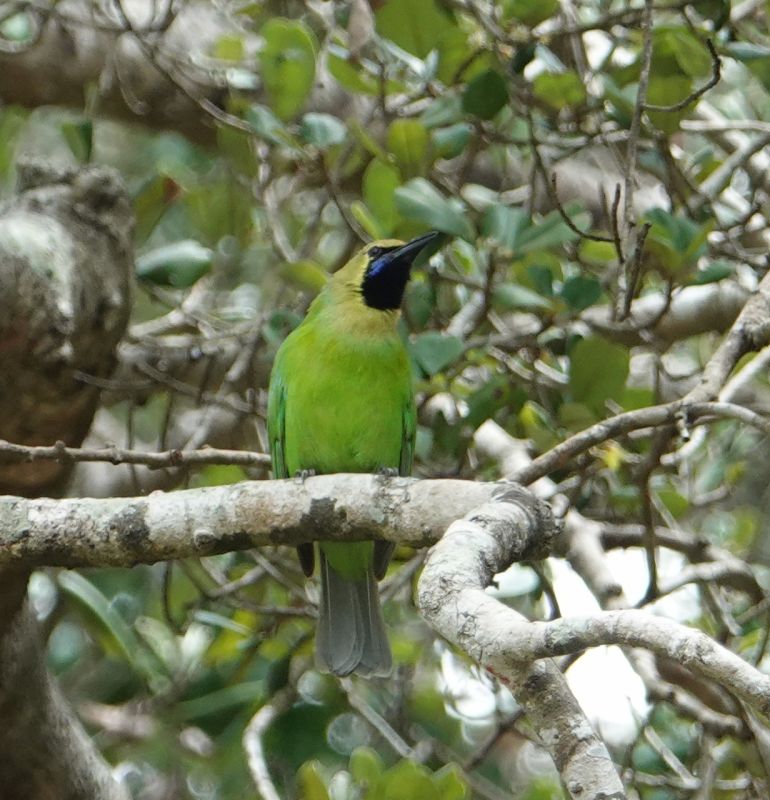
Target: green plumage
x=341, y=401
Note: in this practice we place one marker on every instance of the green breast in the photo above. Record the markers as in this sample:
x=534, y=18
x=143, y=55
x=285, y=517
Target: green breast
x=345, y=400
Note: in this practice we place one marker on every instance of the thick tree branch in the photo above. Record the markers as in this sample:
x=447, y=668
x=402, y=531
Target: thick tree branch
x=197, y=522
x=451, y=597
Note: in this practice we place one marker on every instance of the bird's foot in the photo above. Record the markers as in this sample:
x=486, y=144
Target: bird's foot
x=301, y=475
x=387, y=472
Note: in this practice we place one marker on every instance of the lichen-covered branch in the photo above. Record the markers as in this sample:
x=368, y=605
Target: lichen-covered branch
x=197, y=522
x=451, y=596
x=65, y=270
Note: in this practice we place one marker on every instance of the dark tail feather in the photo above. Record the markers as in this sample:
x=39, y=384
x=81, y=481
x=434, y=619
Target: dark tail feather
x=351, y=634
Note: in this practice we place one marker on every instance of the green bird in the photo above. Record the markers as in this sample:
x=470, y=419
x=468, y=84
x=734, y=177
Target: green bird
x=341, y=400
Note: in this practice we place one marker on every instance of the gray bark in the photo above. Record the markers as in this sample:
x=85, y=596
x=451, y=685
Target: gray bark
x=65, y=268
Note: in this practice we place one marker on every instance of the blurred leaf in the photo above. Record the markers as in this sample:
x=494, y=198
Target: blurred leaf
x=435, y=351
x=530, y=12
x=408, y=141
x=214, y=620
x=559, y=89
x=716, y=271
x=667, y=90
x=580, y=292
x=450, y=783
x=691, y=54
x=351, y=76
x=305, y=274
x=485, y=95
x=17, y=27
x=673, y=500
x=151, y=203
x=229, y=699
x=420, y=201
x=512, y=295
x=407, y=780
x=311, y=784
x=83, y=591
x=229, y=48
x=597, y=372
x=676, y=239
x=287, y=63
x=322, y=130
x=365, y=766
x=443, y=110
x=522, y=57
x=265, y=124
x=80, y=138
x=179, y=264
x=552, y=230
x=498, y=393
x=363, y=216
x=379, y=184
x=415, y=27
x=717, y=11
x=449, y=142
x=504, y=224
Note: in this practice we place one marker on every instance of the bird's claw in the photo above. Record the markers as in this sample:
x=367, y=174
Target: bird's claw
x=387, y=472
x=301, y=475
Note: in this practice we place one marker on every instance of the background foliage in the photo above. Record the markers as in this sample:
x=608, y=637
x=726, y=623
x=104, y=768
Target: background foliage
x=513, y=127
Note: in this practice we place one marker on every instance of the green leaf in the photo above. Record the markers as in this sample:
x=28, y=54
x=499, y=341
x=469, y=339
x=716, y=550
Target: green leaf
x=265, y=124
x=692, y=56
x=559, y=89
x=513, y=295
x=80, y=138
x=379, y=184
x=311, y=784
x=485, y=95
x=179, y=264
x=305, y=274
x=322, y=130
x=351, y=76
x=552, y=231
x=363, y=216
x=229, y=48
x=435, y=351
x=287, y=63
x=530, y=12
x=408, y=141
x=90, y=597
x=580, y=292
x=407, y=780
x=677, y=240
x=151, y=202
x=450, y=783
x=443, y=110
x=597, y=372
x=419, y=201
x=497, y=393
x=449, y=142
x=365, y=766
x=416, y=27
x=504, y=224
x=717, y=271
x=667, y=90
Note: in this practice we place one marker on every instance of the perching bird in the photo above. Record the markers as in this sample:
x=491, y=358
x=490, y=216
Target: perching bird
x=341, y=400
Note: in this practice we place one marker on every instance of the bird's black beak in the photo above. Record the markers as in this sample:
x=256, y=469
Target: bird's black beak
x=388, y=272
x=407, y=253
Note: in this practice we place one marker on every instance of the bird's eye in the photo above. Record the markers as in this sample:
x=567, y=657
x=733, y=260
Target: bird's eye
x=376, y=252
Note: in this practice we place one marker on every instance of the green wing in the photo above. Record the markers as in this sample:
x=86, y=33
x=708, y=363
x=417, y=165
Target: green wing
x=384, y=550
x=276, y=433
x=408, y=433
x=276, y=422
